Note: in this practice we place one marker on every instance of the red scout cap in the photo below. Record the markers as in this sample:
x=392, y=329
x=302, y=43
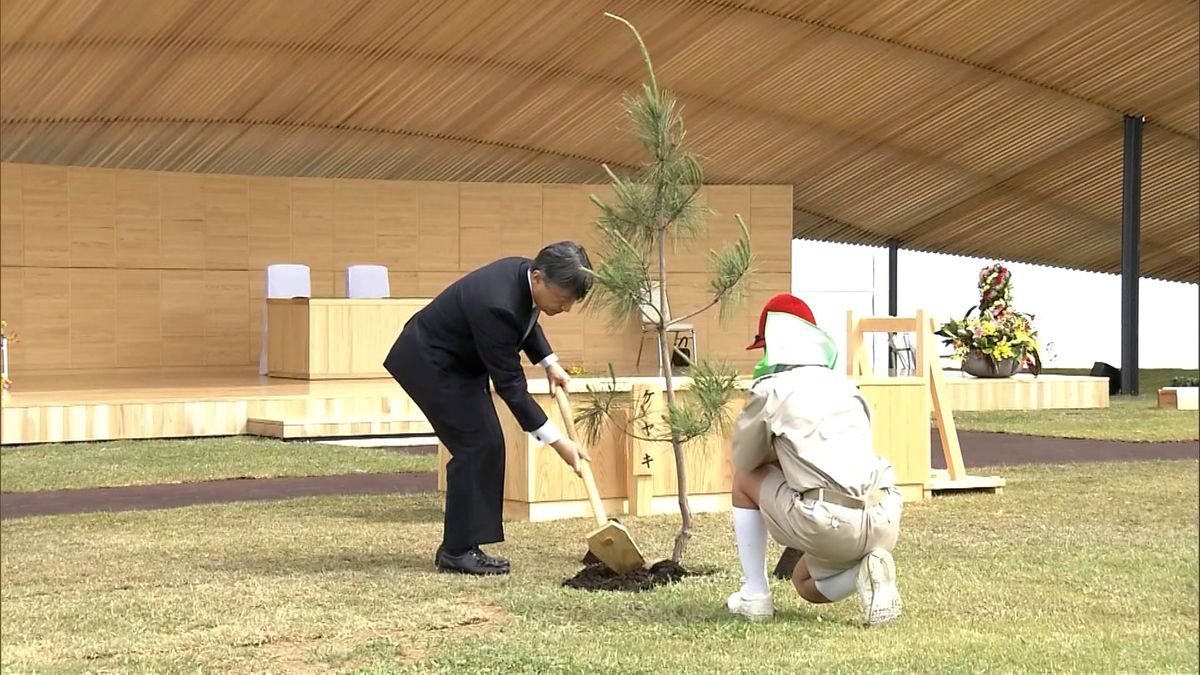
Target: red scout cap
x=783, y=302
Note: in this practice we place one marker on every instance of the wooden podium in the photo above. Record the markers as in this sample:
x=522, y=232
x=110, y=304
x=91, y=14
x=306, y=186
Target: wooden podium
x=928, y=368
x=332, y=338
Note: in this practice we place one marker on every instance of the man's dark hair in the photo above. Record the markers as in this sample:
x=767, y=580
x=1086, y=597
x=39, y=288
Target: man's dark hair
x=566, y=265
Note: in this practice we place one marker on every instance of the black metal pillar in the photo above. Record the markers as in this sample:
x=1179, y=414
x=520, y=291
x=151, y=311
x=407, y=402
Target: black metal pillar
x=1131, y=226
x=893, y=294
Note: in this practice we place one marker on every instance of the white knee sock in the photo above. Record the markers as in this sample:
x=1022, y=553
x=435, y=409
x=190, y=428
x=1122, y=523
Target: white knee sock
x=751, y=532
x=840, y=585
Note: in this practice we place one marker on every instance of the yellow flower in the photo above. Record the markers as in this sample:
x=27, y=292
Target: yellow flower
x=1002, y=351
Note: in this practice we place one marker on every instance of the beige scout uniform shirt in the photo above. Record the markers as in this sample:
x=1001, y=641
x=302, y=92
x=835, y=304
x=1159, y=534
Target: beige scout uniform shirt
x=817, y=424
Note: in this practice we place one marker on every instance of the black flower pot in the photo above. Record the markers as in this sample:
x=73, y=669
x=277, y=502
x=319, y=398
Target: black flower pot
x=979, y=365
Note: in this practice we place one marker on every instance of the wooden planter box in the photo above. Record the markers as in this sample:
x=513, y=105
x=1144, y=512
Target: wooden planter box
x=638, y=478
x=1179, y=398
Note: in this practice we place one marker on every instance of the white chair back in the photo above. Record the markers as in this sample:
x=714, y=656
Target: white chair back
x=648, y=308
x=367, y=282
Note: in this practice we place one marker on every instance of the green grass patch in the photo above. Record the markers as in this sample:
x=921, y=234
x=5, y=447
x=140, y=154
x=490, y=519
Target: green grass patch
x=1081, y=568
x=1128, y=418
x=27, y=468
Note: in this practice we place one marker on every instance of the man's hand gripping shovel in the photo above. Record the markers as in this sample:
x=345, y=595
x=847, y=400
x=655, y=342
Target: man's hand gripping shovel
x=610, y=541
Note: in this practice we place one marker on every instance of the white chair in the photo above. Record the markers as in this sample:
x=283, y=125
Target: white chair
x=649, y=312
x=282, y=281
x=367, y=282
x=903, y=359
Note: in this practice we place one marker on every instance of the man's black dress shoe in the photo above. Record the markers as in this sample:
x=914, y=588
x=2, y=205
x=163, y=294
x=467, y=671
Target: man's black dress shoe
x=473, y=561
x=492, y=559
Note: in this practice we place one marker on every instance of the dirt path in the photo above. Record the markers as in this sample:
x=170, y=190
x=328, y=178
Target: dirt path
x=143, y=497
x=978, y=448
x=993, y=449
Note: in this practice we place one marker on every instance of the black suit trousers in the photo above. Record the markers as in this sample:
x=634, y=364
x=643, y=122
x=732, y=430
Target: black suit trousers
x=460, y=409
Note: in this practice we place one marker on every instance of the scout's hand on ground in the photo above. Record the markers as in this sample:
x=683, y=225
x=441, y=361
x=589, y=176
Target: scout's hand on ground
x=557, y=376
x=571, y=453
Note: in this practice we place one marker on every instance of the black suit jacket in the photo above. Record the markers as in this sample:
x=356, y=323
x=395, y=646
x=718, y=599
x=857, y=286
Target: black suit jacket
x=477, y=328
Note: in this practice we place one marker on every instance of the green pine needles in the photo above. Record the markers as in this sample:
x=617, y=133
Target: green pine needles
x=656, y=208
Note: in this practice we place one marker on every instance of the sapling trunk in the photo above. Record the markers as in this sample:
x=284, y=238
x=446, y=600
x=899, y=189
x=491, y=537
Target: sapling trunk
x=685, y=509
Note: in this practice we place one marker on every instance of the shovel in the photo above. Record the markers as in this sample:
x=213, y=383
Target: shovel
x=610, y=542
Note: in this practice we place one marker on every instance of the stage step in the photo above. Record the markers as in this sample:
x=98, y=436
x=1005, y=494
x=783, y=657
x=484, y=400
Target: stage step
x=295, y=428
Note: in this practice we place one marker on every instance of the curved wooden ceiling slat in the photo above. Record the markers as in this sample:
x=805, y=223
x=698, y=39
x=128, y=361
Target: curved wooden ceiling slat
x=976, y=127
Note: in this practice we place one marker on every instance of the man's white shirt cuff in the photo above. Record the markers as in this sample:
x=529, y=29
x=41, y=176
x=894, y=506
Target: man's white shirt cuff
x=545, y=363
x=547, y=434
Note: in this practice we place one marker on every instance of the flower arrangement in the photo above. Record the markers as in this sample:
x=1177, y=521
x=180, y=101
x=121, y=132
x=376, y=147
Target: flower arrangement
x=998, y=334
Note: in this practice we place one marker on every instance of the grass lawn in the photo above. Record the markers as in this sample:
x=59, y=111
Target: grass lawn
x=26, y=468
x=1128, y=418
x=1136, y=418
x=1087, y=568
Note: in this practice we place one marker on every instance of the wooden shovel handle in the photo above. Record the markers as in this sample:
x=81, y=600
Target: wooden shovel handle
x=564, y=409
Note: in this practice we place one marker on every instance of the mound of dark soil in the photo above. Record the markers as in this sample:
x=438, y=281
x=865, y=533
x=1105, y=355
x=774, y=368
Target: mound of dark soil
x=598, y=577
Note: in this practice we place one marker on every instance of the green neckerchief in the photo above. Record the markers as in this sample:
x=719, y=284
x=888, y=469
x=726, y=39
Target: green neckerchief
x=761, y=369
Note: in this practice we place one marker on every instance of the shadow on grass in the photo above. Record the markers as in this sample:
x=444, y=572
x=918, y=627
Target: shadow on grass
x=658, y=608
x=382, y=512
x=323, y=563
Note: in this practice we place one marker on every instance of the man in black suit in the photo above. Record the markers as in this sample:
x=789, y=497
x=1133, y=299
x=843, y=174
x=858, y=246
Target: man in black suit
x=473, y=331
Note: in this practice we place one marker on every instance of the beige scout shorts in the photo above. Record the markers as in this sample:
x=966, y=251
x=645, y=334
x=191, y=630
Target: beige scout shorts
x=833, y=537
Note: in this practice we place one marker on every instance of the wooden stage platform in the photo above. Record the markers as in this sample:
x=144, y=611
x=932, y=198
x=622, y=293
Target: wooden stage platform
x=187, y=402
x=1025, y=392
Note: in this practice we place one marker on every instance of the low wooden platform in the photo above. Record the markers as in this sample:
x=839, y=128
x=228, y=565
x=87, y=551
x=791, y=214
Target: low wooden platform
x=187, y=402
x=1025, y=392
x=49, y=407
x=297, y=428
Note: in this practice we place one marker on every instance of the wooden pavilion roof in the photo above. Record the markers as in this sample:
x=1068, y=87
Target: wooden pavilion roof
x=973, y=127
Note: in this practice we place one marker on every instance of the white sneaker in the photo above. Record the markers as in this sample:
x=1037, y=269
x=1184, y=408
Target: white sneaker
x=876, y=583
x=755, y=608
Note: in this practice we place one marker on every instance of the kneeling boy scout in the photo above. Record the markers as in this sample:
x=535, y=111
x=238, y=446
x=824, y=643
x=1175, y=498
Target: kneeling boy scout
x=806, y=471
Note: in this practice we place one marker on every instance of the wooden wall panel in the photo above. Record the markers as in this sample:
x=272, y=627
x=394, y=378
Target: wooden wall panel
x=269, y=222
x=12, y=296
x=255, y=312
x=438, y=227
x=45, y=329
x=12, y=242
x=141, y=269
x=313, y=213
x=183, y=317
x=354, y=234
x=91, y=219
x=93, y=317
x=226, y=218
x=45, y=206
x=396, y=228
x=182, y=232
x=403, y=283
x=770, y=223
x=139, y=318
x=138, y=215
x=226, y=336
